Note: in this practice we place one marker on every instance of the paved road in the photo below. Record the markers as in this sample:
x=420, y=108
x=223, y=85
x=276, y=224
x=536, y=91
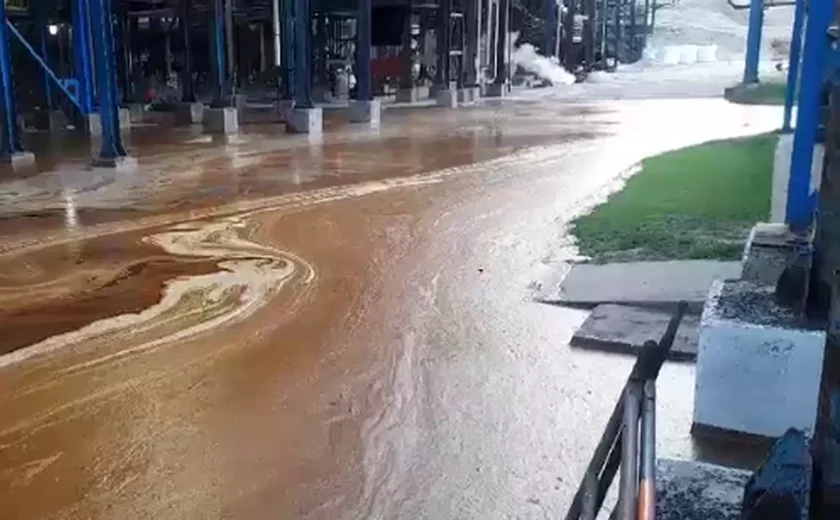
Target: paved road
x=275, y=329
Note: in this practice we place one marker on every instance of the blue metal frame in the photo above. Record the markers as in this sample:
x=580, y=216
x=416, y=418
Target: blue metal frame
x=102, y=32
x=364, y=40
x=800, y=202
x=40, y=14
x=48, y=72
x=287, y=60
x=188, y=93
x=218, y=42
x=303, y=55
x=82, y=54
x=551, y=28
x=756, y=21
x=793, y=64
x=10, y=142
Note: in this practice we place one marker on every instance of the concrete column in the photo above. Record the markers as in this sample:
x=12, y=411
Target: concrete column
x=275, y=30
x=500, y=85
x=188, y=94
x=305, y=117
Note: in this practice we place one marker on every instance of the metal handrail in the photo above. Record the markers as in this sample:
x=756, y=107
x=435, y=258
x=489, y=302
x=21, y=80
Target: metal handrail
x=629, y=441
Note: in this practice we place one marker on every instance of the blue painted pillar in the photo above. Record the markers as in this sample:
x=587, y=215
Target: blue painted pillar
x=40, y=14
x=550, y=28
x=800, y=204
x=793, y=63
x=10, y=143
x=102, y=32
x=188, y=93
x=754, y=41
x=83, y=53
x=364, y=40
x=287, y=50
x=218, y=44
x=303, y=55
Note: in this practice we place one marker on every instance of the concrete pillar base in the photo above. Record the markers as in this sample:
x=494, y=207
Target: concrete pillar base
x=412, y=95
x=239, y=102
x=366, y=112
x=126, y=163
x=136, y=112
x=284, y=108
x=221, y=121
x=189, y=113
x=447, y=97
x=758, y=364
x=92, y=123
x=496, y=90
x=57, y=121
x=305, y=121
x=781, y=175
x=19, y=160
x=469, y=95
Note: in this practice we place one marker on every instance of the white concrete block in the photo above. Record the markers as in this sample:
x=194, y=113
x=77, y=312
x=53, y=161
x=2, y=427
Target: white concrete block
x=284, y=108
x=447, y=97
x=305, y=121
x=121, y=164
x=495, y=90
x=366, y=112
x=20, y=161
x=221, y=121
x=781, y=175
x=758, y=365
x=469, y=95
x=412, y=95
x=189, y=113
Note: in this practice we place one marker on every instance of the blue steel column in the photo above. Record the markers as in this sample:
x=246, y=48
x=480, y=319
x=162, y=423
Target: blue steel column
x=800, y=203
x=303, y=55
x=188, y=94
x=10, y=142
x=40, y=14
x=218, y=43
x=793, y=63
x=550, y=28
x=754, y=41
x=288, y=49
x=102, y=32
x=82, y=57
x=363, y=44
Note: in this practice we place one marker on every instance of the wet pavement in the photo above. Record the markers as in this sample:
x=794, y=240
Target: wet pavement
x=275, y=328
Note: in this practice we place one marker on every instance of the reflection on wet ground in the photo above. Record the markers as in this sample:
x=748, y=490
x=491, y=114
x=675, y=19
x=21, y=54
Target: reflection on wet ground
x=274, y=328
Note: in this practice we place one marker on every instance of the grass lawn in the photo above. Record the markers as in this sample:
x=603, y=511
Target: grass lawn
x=697, y=202
x=769, y=93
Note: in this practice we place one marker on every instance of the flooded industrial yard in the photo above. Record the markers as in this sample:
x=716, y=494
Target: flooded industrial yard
x=274, y=328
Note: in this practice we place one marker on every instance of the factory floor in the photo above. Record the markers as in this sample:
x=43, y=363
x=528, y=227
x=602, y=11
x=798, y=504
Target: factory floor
x=269, y=326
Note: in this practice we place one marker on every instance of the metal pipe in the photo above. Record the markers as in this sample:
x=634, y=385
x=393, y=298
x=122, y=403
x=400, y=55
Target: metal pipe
x=647, y=472
x=793, y=64
x=275, y=30
x=753, y=41
x=629, y=477
x=799, y=210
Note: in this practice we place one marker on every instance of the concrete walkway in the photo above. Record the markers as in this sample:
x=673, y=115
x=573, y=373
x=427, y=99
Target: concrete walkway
x=649, y=284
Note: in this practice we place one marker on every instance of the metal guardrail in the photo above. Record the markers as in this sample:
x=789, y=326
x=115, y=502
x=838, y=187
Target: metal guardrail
x=629, y=441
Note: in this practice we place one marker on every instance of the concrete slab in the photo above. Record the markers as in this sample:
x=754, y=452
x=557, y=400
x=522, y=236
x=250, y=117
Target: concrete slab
x=306, y=121
x=447, y=97
x=20, y=161
x=221, y=121
x=624, y=329
x=494, y=90
x=366, y=112
x=648, y=284
x=688, y=490
x=758, y=364
x=413, y=95
x=189, y=113
x=120, y=164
